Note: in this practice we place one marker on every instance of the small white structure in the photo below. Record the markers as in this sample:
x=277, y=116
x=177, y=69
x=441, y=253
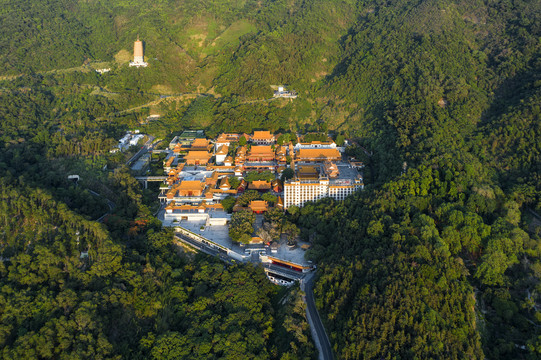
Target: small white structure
x=128, y=140
x=203, y=216
x=103, y=71
x=135, y=139
x=316, y=145
x=283, y=93
x=124, y=142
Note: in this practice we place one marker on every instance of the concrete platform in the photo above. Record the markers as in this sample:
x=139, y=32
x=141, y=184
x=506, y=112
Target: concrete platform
x=220, y=235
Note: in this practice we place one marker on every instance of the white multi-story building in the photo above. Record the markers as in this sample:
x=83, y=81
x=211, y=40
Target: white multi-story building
x=312, y=183
x=135, y=139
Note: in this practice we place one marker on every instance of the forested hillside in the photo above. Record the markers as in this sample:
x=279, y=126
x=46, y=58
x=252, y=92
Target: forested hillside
x=439, y=257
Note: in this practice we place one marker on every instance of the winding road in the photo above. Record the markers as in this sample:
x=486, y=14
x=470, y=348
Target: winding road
x=110, y=204
x=321, y=339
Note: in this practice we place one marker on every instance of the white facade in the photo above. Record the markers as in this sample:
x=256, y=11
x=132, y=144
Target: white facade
x=138, y=64
x=299, y=192
x=124, y=142
x=316, y=145
x=208, y=218
x=220, y=159
x=135, y=139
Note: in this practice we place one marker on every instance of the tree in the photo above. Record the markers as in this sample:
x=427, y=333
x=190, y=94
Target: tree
x=274, y=215
x=294, y=210
x=234, y=181
x=264, y=175
x=491, y=270
x=269, y=198
x=292, y=232
x=287, y=174
x=228, y=203
x=241, y=226
x=248, y=196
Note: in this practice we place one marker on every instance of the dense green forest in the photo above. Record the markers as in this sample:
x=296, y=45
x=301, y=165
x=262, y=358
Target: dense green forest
x=440, y=256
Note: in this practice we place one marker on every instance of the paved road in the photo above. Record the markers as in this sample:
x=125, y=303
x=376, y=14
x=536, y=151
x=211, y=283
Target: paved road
x=111, y=205
x=205, y=249
x=148, y=146
x=324, y=345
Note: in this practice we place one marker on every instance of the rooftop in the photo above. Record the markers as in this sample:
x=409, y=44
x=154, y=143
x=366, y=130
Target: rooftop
x=318, y=154
x=262, y=135
x=227, y=137
x=261, y=150
x=196, y=154
x=259, y=185
x=223, y=150
x=189, y=134
x=190, y=185
x=200, y=143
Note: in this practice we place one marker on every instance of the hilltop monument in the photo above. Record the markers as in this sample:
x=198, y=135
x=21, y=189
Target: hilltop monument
x=138, y=56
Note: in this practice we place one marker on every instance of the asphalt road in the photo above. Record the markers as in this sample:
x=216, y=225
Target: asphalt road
x=146, y=147
x=325, y=350
x=110, y=204
x=205, y=249
x=323, y=344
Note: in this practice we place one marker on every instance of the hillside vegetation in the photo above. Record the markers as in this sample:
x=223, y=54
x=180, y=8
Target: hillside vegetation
x=440, y=256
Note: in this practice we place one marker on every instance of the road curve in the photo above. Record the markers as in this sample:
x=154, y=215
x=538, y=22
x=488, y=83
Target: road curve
x=324, y=345
x=110, y=204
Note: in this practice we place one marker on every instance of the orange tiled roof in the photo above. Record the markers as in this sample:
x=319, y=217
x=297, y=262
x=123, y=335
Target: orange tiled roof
x=196, y=155
x=331, y=169
x=241, y=150
x=223, y=150
x=256, y=240
x=259, y=185
x=258, y=205
x=202, y=206
x=190, y=185
x=224, y=183
x=200, y=143
x=322, y=154
x=307, y=172
x=262, y=135
x=225, y=137
x=261, y=150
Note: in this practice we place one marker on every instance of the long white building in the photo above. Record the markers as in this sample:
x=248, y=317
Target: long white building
x=314, y=182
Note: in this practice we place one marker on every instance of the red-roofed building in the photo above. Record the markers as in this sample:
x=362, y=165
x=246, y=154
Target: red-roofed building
x=263, y=138
x=261, y=153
